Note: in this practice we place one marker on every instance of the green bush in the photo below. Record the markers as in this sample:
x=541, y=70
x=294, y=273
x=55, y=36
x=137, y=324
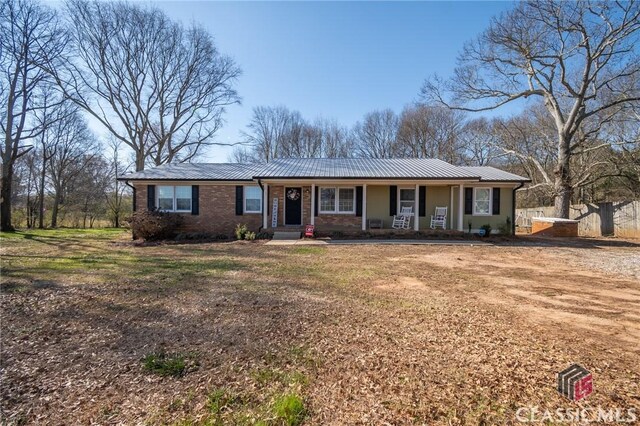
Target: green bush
x=154, y=224
x=290, y=409
x=241, y=230
x=165, y=364
x=264, y=235
x=250, y=236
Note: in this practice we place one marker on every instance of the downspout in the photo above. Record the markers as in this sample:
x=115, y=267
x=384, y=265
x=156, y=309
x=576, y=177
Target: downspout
x=263, y=197
x=133, y=202
x=133, y=199
x=513, y=208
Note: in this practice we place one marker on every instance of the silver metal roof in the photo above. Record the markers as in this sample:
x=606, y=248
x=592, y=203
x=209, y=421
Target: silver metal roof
x=197, y=171
x=488, y=173
x=339, y=168
x=350, y=168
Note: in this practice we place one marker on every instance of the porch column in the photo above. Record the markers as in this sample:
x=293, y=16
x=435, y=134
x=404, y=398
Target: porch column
x=313, y=204
x=416, y=213
x=451, y=207
x=265, y=206
x=364, y=207
x=461, y=208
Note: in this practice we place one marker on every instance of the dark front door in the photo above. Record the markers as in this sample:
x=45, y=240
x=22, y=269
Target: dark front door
x=293, y=206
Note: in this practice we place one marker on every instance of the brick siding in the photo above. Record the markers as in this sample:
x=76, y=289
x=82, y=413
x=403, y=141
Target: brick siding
x=217, y=211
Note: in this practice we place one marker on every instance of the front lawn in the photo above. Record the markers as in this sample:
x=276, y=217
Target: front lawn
x=98, y=330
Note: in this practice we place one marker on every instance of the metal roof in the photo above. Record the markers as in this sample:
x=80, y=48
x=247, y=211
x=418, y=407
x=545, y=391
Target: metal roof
x=197, y=171
x=488, y=173
x=364, y=168
x=324, y=168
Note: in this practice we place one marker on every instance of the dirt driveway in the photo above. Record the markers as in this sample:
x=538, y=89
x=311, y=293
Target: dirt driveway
x=445, y=335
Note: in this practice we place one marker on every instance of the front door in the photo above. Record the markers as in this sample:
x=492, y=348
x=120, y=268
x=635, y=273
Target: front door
x=293, y=206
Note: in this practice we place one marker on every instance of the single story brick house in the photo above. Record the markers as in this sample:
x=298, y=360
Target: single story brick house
x=332, y=194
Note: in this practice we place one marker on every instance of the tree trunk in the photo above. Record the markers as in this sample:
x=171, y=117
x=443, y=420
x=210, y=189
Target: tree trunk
x=562, y=185
x=5, y=198
x=41, y=203
x=54, y=210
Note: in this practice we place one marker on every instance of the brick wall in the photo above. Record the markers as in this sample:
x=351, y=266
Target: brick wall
x=330, y=222
x=217, y=210
x=557, y=229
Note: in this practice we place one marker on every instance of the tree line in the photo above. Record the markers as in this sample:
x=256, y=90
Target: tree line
x=159, y=88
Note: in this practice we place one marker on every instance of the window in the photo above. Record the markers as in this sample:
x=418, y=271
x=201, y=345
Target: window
x=346, y=200
x=407, y=198
x=342, y=202
x=252, y=199
x=482, y=201
x=174, y=198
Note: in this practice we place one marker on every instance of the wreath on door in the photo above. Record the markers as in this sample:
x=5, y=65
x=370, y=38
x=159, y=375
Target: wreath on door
x=293, y=194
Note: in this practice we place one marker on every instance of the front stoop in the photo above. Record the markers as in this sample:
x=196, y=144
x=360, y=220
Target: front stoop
x=286, y=235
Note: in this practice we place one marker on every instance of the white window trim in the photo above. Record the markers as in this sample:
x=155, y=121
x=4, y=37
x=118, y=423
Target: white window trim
x=244, y=199
x=398, y=206
x=175, y=201
x=490, y=201
x=336, y=201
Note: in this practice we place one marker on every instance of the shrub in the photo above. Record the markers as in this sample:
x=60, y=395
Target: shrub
x=505, y=228
x=250, y=236
x=263, y=235
x=290, y=409
x=154, y=224
x=487, y=229
x=165, y=364
x=241, y=230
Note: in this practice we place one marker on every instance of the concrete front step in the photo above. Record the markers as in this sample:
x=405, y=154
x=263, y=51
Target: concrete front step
x=286, y=235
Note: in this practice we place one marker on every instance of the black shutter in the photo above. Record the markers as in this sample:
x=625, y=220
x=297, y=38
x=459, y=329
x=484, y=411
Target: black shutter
x=316, y=202
x=134, y=199
x=422, y=201
x=359, y=201
x=239, y=200
x=151, y=197
x=393, y=200
x=468, y=201
x=195, y=200
x=496, y=201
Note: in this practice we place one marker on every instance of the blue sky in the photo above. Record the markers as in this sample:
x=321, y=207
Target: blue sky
x=333, y=59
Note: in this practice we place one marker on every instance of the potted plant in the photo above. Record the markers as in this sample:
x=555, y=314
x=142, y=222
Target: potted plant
x=485, y=230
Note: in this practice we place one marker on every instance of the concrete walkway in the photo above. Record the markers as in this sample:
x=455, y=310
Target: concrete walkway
x=306, y=242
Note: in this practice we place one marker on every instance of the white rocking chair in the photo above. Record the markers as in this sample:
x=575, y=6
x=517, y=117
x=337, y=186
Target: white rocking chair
x=439, y=219
x=403, y=220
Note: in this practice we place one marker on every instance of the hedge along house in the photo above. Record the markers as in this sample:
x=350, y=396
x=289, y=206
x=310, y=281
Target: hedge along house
x=332, y=194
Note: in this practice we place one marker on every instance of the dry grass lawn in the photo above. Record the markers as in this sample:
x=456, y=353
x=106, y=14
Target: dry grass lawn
x=259, y=334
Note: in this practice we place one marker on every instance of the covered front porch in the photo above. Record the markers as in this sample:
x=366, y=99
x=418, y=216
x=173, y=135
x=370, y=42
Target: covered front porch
x=371, y=206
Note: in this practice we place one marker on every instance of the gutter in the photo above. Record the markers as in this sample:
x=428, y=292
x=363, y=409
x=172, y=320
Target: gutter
x=513, y=207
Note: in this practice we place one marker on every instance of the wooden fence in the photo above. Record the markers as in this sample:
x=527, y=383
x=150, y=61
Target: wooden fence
x=619, y=218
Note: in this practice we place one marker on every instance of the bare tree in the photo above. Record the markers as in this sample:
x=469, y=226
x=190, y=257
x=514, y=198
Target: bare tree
x=31, y=39
x=336, y=140
x=376, y=136
x=580, y=58
x=430, y=132
x=76, y=146
x=114, y=190
x=272, y=133
x=478, y=141
x=156, y=86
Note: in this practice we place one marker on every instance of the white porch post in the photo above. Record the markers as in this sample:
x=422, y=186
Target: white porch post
x=364, y=207
x=313, y=204
x=451, y=207
x=416, y=213
x=265, y=206
x=461, y=208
